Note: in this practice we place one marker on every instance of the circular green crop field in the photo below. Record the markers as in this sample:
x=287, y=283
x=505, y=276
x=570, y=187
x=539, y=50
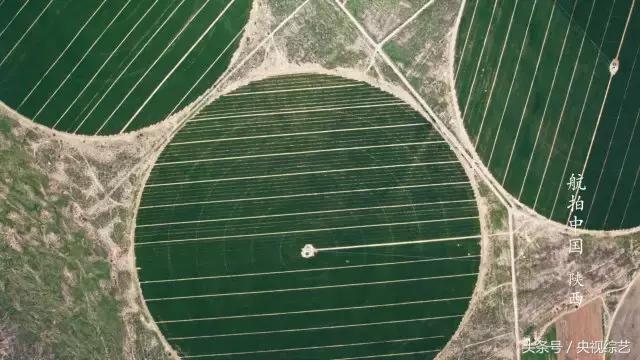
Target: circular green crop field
x=379, y=199
x=109, y=66
x=549, y=91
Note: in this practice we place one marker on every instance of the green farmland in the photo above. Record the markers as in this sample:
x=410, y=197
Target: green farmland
x=115, y=65
x=307, y=159
x=537, y=99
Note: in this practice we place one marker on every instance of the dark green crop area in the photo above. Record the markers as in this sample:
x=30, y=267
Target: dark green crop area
x=110, y=66
x=537, y=99
x=308, y=159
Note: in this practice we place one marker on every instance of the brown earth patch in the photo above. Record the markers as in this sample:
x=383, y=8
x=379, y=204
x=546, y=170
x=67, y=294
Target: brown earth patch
x=584, y=324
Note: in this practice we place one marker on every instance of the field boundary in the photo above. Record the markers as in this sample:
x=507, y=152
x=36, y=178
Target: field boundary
x=458, y=149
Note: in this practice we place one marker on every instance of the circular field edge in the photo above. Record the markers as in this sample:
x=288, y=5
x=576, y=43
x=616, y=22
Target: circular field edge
x=474, y=187
x=453, y=52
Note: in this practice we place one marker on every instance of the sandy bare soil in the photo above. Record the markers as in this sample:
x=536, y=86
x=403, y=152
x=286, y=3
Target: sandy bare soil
x=626, y=323
x=282, y=38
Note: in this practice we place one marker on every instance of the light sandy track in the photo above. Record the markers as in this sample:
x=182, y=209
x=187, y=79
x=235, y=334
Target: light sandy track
x=25, y=32
x=495, y=77
x=483, y=204
x=513, y=80
x=105, y=62
x=84, y=56
x=564, y=105
x=208, y=114
x=14, y=16
x=299, y=153
x=379, y=306
x=303, y=133
x=113, y=83
x=546, y=105
x=305, y=110
x=466, y=38
x=303, y=213
x=604, y=100
x=514, y=285
x=432, y=117
x=391, y=355
x=320, y=328
x=309, y=194
x=311, y=88
x=169, y=136
x=270, y=273
x=301, y=105
x=204, y=73
x=397, y=243
x=191, y=110
x=470, y=161
x=177, y=65
x=475, y=73
x=224, y=237
x=626, y=208
x=526, y=103
x=281, y=175
x=308, y=288
x=153, y=152
x=613, y=133
x=331, y=346
x=408, y=340
x=624, y=162
x=613, y=317
x=64, y=51
x=153, y=64
x=395, y=32
x=584, y=105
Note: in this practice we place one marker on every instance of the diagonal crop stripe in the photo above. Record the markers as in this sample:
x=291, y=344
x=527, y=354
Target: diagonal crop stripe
x=115, y=66
x=542, y=98
x=303, y=160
